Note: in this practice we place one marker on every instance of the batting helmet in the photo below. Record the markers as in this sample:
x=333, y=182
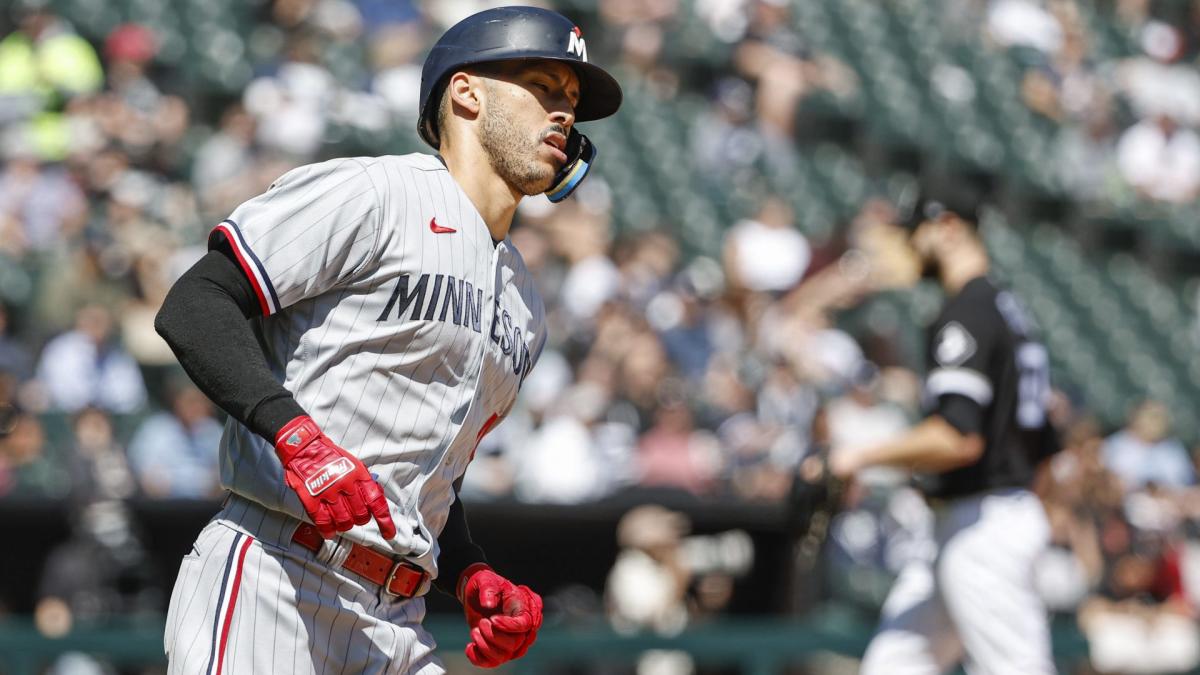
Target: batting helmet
x=506, y=33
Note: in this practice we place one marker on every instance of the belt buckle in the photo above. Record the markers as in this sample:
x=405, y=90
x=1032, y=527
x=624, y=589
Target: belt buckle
x=410, y=591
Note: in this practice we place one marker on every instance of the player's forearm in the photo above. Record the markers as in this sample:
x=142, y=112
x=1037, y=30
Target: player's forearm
x=204, y=322
x=931, y=446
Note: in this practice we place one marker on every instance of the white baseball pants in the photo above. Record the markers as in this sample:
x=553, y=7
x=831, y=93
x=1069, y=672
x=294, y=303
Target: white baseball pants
x=975, y=603
x=249, y=600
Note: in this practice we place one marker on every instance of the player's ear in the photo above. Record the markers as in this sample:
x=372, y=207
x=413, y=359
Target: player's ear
x=465, y=92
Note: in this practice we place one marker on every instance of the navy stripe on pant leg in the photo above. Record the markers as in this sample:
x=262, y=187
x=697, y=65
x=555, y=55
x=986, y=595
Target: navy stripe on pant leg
x=212, y=654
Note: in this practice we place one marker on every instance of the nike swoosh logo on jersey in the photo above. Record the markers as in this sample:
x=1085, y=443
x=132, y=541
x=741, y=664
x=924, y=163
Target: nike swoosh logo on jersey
x=438, y=229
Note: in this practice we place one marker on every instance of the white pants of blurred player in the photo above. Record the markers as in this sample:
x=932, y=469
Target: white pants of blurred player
x=975, y=603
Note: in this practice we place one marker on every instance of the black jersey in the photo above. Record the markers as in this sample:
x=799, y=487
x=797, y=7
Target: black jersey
x=988, y=374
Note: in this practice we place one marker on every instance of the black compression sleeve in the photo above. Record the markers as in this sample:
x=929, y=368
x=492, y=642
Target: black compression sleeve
x=961, y=412
x=458, y=551
x=205, y=321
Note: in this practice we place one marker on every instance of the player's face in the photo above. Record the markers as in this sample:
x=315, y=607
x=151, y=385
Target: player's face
x=528, y=115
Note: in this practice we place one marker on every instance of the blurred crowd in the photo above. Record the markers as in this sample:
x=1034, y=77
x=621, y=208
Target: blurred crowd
x=1127, y=118
x=712, y=375
x=664, y=369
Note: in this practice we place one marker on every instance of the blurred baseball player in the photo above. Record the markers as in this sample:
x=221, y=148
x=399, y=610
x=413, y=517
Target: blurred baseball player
x=975, y=453
x=364, y=323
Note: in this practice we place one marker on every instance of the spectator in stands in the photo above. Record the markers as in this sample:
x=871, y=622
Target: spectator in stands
x=725, y=139
x=15, y=358
x=1144, y=453
x=86, y=367
x=766, y=253
x=582, y=237
x=1141, y=622
x=685, y=326
x=1161, y=160
x=1087, y=156
x=1064, y=85
x=648, y=583
x=647, y=262
x=43, y=63
x=174, y=453
x=91, y=272
x=9, y=415
x=29, y=465
x=98, y=465
x=291, y=106
x=784, y=68
x=644, y=375
x=394, y=49
x=492, y=474
x=575, y=454
x=761, y=436
x=332, y=19
x=674, y=454
x=224, y=162
x=662, y=580
x=101, y=573
x=1160, y=81
x=128, y=51
x=134, y=113
x=1024, y=23
x=41, y=207
x=1078, y=477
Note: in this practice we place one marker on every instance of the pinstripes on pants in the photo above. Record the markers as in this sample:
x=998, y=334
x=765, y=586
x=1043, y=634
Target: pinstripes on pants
x=261, y=604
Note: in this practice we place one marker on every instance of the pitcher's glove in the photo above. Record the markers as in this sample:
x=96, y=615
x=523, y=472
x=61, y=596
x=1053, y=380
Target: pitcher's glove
x=335, y=487
x=504, y=618
x=817, y=497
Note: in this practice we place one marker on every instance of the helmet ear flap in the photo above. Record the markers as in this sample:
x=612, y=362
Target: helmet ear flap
x=427, y=124
x=429, y=132
x=581, y=154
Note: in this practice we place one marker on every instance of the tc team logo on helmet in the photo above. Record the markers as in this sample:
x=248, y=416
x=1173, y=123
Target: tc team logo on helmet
x=576, y=45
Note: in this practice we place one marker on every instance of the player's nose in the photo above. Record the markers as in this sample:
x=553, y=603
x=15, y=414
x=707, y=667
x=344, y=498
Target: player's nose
x=564, y=116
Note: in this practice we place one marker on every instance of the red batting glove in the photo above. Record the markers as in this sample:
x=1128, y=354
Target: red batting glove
x=335, y=487
x=504, y=618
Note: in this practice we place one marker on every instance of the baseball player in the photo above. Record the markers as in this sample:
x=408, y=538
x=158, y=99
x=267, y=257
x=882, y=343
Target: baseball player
x=365, y=322
x=975, y=453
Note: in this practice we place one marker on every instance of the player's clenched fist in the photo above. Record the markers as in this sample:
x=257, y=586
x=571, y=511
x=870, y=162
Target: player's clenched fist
x=335, y=488
x=504, y=618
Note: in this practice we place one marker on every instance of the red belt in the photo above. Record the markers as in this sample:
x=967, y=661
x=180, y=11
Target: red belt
x=398, y=577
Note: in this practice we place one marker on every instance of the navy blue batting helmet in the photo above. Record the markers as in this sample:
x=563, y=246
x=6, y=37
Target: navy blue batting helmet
x=507, y=33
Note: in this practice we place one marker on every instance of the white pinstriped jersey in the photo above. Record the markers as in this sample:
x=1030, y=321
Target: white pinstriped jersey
x=397, y=324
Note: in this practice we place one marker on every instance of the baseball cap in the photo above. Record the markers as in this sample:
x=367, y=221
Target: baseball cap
x=961, y=197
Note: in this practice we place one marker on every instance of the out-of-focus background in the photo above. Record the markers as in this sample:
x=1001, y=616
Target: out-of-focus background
x=727, y=294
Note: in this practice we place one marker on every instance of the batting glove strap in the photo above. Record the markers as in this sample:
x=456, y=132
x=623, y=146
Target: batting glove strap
x=295, y=436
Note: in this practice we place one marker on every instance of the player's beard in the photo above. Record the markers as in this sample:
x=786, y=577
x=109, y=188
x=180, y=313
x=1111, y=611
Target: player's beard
x=513, y=156
x=931, y=268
